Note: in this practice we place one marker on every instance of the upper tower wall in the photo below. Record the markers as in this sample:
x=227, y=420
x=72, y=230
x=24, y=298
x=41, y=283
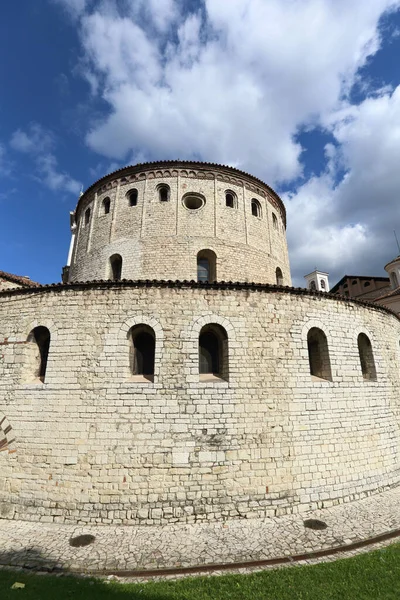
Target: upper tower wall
x=158, y=217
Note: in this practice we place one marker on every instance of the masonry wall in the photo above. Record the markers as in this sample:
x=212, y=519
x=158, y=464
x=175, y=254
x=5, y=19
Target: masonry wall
x=161, y=240
x=92, y=444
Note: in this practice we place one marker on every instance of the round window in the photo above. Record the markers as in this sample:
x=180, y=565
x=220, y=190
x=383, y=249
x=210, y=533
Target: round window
x=193, y=202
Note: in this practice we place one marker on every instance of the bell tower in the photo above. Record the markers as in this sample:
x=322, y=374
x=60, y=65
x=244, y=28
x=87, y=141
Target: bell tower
x=317, y=281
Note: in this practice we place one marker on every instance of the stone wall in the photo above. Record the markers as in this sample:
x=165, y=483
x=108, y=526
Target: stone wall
x=92, y=444
x=161, y=240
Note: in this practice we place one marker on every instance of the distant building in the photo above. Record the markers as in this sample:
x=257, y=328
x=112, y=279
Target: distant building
x=362, y=288
x=8, y=280
x=317, y=281
x=390, y=297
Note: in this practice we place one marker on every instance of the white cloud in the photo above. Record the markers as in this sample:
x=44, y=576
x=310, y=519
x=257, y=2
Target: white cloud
x=348, y=226
x=234, y=82
x=5, y=164
x=40, y=143
x=74, y=7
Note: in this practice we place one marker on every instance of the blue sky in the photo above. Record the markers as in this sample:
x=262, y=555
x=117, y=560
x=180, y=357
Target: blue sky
x=303, y=94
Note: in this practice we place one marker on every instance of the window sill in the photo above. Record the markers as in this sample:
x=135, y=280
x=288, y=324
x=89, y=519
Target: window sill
x=211, y=378
x=142, y=379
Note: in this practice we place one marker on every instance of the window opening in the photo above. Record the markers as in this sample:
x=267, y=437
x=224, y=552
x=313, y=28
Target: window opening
x=142, y=353
x=323, y=285
x=367, y=284
x=40, y=345
x=132, y=197
x=163, y=193
x=87, y=216
x=106, y=205
x=116, y=267
x=206, y=266
x=312, y=285
x=193, y=202
x=318, y=354
x=230, y=200
x=279, y=276
x=274, y=221
x=213, y=352
x=255, y=208
x=366, y=357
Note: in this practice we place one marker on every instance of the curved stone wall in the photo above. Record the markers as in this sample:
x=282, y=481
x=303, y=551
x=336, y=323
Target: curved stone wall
x=161, y=239
x=92, y=444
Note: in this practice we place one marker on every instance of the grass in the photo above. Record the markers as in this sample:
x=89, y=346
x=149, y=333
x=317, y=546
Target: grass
x=372, y=576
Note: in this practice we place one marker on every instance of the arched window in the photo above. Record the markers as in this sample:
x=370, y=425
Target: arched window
x=323, y=284
x=206, y=266
x=142, y=351
x=255, y=208
x=318, y=354
x=106, y=205
x=230, y=199
x=39, y=345
x=312, y=285
x=115, y=267
x=213, y=352
x=367, y=284
x=279, y=276
x=87, y=217
x=274, y=221
x=366, y=357
x=132, y=196
x=163, y=192
x=394, y=280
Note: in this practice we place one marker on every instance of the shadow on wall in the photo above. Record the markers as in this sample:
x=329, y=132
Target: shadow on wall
x=68, y=586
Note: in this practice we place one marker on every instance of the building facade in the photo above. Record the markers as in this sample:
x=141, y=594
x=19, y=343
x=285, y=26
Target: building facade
x=142, y=399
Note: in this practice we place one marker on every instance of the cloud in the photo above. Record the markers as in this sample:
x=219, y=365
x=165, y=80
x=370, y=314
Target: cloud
x=235, y=82
x=74, y=7
x=5, y=163
x=347, y=223
x=39, y=144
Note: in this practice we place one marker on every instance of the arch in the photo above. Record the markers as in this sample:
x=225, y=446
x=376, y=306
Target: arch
x=39, y=346
x=230, y=199
x=142, y=351
x=274, y=221
x=213, y=352
x=132, y=196
x=115, y=267
x=279, y=276
x=318, y=354
x=366, y=354
x=206, y=266
x=393, y=280
x=106, y=204
x=367, y=284
x=322, y=284
x=255, y=208
x=313, y=285
x=164, y=192
x=87, y=217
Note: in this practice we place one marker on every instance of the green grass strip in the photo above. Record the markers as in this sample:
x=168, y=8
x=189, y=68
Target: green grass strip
x=370, y=576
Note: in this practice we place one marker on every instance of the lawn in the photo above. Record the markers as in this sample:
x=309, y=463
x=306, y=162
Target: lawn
x=372, y=576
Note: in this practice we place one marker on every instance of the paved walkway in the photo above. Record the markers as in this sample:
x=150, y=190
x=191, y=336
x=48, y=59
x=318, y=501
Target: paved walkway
x=140, y=548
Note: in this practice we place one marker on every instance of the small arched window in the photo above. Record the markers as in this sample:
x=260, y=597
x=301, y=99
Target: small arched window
x=206, y=266
x=106, y=205
x=213, y=352
x=142, y=351
x=255, y=208
x=274, y=221
x=39, y=345
x=87, y=217
x=323, y=284
x=354, y=282
x=230, y=199
x=318, y=354
x=163, y=192
x=116, y=267
x=312, y=285
x=394, y=280
x=367, y=284
x=366, y=357
x=279, y=276
x=132, y=196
